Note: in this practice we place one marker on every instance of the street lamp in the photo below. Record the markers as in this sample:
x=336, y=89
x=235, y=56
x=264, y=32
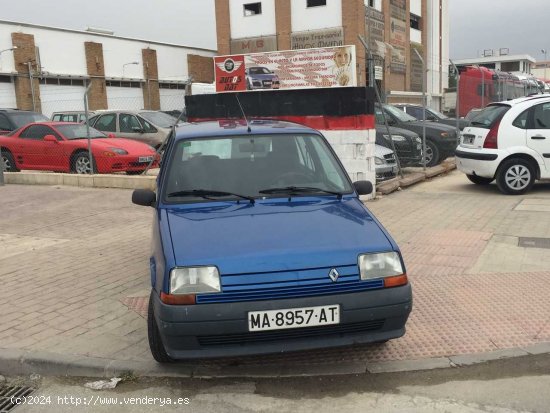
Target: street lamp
x=126, y=64
x=8, y=50
x=544, y=51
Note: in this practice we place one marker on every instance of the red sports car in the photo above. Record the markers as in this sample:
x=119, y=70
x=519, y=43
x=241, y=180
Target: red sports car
x=63, y=147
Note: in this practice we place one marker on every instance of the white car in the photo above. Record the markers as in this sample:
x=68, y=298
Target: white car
x=385, y=163
x=508, y=142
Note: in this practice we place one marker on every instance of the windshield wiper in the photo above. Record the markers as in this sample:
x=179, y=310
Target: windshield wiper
x=298, y=189
x=207, y=193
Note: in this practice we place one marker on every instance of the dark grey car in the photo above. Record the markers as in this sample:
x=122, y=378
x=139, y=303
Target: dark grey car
x=432, y=115
x=440, y=139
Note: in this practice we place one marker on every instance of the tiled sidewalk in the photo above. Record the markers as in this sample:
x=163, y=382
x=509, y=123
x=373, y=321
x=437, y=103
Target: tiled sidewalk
x=74, y=262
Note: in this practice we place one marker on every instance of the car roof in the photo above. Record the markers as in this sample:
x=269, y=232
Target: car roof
x=238, y=127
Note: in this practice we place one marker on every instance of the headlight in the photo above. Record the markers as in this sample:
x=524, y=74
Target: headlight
x=379, y=161
x=118, y=151
x=194, y=280
x=396, y=138
x=418, y=140
x=380, y=265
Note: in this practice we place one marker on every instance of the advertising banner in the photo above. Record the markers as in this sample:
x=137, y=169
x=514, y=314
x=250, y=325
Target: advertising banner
x=317, y=38
x=288, y=69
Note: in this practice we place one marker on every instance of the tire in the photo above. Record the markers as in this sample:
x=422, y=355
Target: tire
x=515, y=176
x=432, y=154
x=9, y=162
x=479, y=180
x=80, y=164
x=155, y=342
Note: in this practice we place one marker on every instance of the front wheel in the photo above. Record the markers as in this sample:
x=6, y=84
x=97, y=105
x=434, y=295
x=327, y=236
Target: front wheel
x=432, y=154
x=515, y=176
x=479, y=180
x=9, y=162
x=155, y=342
x=81, y=164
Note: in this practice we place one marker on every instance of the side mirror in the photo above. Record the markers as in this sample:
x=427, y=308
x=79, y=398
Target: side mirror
x=144, y=197
x=137, y=130
x=50, y=138
x=363, y=187
x=111, y=135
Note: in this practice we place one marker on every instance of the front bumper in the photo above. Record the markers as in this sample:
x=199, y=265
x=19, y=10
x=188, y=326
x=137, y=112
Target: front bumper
x=476, y=162
x=220, y=330
x=122, y=163
x=383, y=173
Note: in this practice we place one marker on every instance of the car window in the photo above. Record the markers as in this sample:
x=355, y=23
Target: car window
x=4, y=123
x=521, y=120
x=56, y=118
x=488, y=116
x=250, y=164
x=37, y=132
x=416, y=112
x=398, y=113
x=129, y=123
x=147, y=127
x=24, y=118
x=541, y=116
x=106, y=123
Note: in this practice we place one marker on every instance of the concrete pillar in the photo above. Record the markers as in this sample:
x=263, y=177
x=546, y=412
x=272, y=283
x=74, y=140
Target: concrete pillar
x=223, y=26
x=353, y=21
x=283, y=21
x=23, y=55
x=97, y=98
x=151, y=92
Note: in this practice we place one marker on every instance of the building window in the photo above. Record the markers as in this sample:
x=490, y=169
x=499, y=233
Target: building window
x=252, y=9
x=5, y=79
x=371, y=3
x=315, y=3
x=180, y=86
x=118, y=83
x=415, y=22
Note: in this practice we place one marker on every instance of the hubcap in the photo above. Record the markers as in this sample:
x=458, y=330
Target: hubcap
x=517, y=177
x=7, y=164
x=429, y=154
x=82, y=165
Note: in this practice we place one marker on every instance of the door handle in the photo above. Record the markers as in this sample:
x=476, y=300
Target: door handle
x=538, y=137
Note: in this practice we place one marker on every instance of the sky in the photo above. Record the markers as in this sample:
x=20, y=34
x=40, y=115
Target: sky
x=522, y=26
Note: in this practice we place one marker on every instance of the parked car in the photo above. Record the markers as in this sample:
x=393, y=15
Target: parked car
x=63, y=147
x=508, y=142
x=472, y=114
x=259, y=77
x=12, y=119
x=432, y=115
x=147, y=126
x=441, y=140
x=71, y=116
x=408, y=145
x=385, y=163
x=262, y=245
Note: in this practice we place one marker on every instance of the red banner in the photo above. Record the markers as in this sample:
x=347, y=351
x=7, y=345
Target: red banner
x=230, y=73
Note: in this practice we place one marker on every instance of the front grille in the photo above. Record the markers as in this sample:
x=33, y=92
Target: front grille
x=390, y=158
x=296, y=333
x=310, y=283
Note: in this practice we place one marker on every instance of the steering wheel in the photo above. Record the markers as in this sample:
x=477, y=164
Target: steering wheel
x=290, y=178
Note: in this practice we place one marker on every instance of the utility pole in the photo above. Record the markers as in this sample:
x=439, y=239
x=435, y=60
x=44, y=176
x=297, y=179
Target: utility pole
x=423, y=109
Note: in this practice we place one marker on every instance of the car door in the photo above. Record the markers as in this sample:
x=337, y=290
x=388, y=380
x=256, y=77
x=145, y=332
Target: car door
x=538, y=133
x=106, y=123
x=137, y=128
x=36, y=153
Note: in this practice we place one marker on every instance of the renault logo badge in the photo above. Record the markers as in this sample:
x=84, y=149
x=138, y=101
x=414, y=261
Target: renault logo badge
x=333, y=275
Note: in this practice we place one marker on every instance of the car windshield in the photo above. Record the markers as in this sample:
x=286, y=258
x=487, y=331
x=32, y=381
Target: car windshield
x=78, y=131
x=399, y=114
x=24, y=118
x=259, y=71
x=437, y=114
x=160, y=119
x=259, y=166
x=488, y=116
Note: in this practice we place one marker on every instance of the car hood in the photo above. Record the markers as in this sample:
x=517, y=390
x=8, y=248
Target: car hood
x=275, y=235
x=131, y=146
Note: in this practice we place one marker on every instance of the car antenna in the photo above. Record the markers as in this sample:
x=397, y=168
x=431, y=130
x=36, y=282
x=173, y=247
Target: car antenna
x=244, y=114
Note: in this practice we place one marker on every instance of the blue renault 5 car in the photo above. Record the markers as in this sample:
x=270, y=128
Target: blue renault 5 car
x=261, y=245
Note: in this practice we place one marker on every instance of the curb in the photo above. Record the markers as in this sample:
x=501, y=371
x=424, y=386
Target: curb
x=395, y=184
x=88, y=181
x=19, y=362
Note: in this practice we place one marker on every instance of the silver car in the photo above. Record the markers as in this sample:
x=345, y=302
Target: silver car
x=148, y=126
x=385, y=163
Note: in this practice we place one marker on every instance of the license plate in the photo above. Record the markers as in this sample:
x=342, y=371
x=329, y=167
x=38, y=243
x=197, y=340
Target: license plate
x=293, y=318
x=468, y=140
x=144, y=159
x=267, y=83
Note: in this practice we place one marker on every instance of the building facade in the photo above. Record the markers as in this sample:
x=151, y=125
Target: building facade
x=48, y=69
x=392, y=29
